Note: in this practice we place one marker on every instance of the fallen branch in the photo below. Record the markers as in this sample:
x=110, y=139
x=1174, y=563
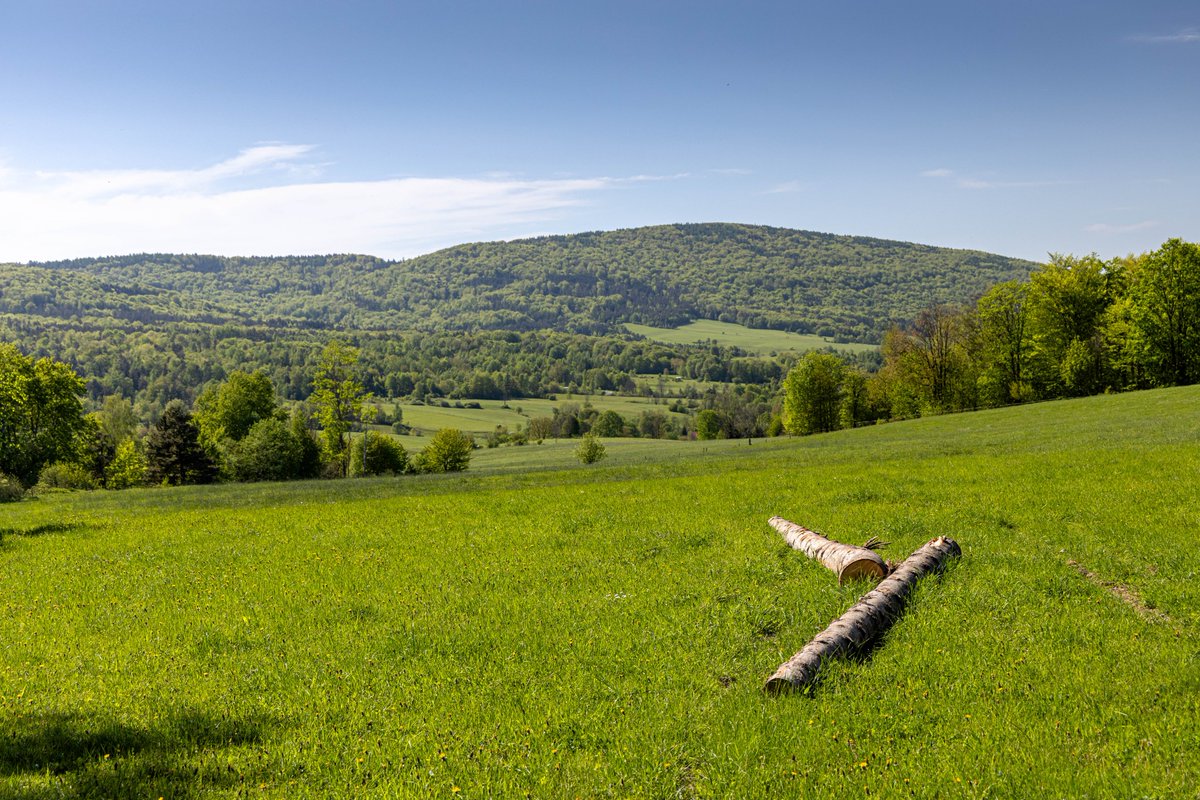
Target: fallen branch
x=847, y=560
x=866, y=620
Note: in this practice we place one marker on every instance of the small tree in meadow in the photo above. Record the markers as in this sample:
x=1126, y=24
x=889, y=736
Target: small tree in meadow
x=376, y=454
x=448, y=451
x=590, y=449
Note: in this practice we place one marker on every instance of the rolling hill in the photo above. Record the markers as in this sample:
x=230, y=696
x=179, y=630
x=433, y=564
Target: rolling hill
x=847, y=287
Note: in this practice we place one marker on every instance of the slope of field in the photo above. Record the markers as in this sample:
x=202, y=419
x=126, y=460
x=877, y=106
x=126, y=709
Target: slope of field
x=761, y=341
x=604, y=631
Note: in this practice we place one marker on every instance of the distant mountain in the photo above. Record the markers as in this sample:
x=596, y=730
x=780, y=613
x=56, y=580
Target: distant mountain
x=844, y=286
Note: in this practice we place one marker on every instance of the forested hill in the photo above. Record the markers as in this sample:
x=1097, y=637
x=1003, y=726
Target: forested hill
x=843, y=286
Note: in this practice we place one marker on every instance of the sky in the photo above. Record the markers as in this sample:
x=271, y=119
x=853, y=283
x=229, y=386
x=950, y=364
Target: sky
x=251, y=127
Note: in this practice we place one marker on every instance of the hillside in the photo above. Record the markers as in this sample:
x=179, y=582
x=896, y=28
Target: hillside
x=761, y=277
x=605, y=631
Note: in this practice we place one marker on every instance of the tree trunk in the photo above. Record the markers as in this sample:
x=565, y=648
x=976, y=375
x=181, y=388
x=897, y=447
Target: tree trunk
x=847, y=560
x=866, y=620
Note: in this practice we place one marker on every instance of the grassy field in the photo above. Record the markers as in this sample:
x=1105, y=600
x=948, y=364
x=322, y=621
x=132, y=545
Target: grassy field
x=481, y=421
x=564, y=631
x=752, y=340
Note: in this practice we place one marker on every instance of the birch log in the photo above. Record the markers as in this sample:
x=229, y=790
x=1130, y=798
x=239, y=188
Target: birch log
x=847, y=560
x=866, y=620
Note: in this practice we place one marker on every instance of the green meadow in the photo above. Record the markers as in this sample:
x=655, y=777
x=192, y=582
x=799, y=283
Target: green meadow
x=537, y=628
x=752, y=340
x=515, y=414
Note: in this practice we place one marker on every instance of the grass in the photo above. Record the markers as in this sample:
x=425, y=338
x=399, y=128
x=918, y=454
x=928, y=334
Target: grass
x=565, y=631
x=752, y=340
x=483, y=420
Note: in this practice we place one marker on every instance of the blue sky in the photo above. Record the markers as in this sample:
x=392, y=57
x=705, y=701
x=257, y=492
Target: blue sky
x=395, y=128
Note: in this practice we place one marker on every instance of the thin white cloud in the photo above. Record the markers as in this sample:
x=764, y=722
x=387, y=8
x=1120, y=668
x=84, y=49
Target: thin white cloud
x=51, y=215
x=1109, y=229
x=970, y=183
x=1184, y=36
x=964, y=182
x=786, y=187
x=653, y=178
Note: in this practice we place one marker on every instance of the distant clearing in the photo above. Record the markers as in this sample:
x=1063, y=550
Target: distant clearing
x=752, y=340
x=430, y=416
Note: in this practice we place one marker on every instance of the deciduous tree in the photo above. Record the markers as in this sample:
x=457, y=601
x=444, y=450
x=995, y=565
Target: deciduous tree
x=40, y=413
x=812, y=394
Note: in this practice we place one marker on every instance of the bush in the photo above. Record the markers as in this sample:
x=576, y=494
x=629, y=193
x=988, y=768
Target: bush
x=269, y=452
x=11, y=489
x=590, y=449
x=376, y=454
x=63, y=475
x=610, y=423
x=128, y=467
x=448, y=451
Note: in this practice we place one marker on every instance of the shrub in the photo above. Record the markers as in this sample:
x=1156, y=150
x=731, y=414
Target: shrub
x=128, y=467
x=590, y=449
x=64, y=475
x=610, y=423
x=269, y=452
x=376, y=454
x=708, y=424
x=448, y=451
x=10, y=489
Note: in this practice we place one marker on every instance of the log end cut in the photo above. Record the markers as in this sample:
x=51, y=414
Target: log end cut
x=857, y=569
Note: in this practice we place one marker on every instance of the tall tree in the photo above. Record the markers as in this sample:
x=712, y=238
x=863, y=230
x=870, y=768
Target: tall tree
x=173, y=451
x=1166, y=295
x=231, y=409
x=935, y=337
x=812, y=394
x=1068, y=298
x=338, y=397
x=40, y=413
x=1003, y=313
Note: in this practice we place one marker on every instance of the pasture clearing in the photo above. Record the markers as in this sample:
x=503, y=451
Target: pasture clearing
x=753, y=340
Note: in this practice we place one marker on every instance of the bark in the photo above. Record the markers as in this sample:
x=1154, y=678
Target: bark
x=866, y=620
x=847, y=560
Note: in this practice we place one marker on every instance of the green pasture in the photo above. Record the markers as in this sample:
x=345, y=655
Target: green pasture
x=481, y=421
x=564, y=631
x=752, y=340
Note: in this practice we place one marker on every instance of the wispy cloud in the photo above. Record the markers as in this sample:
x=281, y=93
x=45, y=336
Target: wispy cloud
x=965, y=182
x=970, y=183
x=265, y=201
x=1109, y=229
x=786, y=187
x=1184, y=36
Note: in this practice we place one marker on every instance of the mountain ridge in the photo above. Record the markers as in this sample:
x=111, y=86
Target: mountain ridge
x=850, y=287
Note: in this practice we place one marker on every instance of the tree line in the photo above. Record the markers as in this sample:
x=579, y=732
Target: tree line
x=1077, y=326
x=237, y=430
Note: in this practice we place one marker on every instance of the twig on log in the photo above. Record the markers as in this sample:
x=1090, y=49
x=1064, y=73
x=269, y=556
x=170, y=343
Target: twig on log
x=847, y=560
x=865, y=621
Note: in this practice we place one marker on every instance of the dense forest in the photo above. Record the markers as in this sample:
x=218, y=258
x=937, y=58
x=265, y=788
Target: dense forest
x=847, y=287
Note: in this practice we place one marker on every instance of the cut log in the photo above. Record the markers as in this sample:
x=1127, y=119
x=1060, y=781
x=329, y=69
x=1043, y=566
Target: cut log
x=866, y=620
x=847, y=560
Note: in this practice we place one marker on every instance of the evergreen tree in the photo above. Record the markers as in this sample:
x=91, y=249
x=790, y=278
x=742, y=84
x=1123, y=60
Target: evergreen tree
x=173, y=451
